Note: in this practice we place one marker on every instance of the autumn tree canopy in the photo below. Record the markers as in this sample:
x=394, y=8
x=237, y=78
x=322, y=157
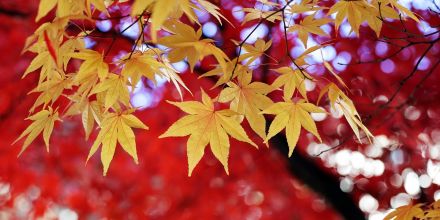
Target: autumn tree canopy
x=340, y=81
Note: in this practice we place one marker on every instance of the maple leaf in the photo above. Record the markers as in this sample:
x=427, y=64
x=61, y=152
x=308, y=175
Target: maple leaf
x=49, y=31
x=45, y=7
x=185, y=43
x=407, y=212
x=46, y=43
x=340, y=101
x=292, y=80
x=354, y=11
x=93, y=62
x=140, y=63
x=147, y=64
x=162, y=10
x=98, y=4
x=85, y=83
x=227, y=73
x=256, y=14
x=43, y=121
x=309, y=25
x=304, y=6
x=206, y=125
x=48, y=66
x=268, y=3
x=171, y=75
x=50, y=90
x=213, y=10
x=292, y=116
x=116, y=128
x=254, y=52
x=89, y=111
x=66, y=49
x=332, y=71
x=301, y=59
x=431, y=214
x=401, y=8
x=248, y=99
x=115, y=89
x=64, y=8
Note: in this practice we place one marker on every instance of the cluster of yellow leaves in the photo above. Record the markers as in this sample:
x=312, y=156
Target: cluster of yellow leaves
x=341, y=102
x=206, y=125
x=271, y=15
x=165, y=9
x=99, y=89
x=185, y=42
x=417, y=211
x=292, y=116
x=373, y=12
x=309, y=25
x=43, y=121
x=248, y=99
x=116, y=127
x=68, y=7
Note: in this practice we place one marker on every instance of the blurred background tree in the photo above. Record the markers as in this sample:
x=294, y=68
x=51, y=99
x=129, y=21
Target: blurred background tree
x=394, y=83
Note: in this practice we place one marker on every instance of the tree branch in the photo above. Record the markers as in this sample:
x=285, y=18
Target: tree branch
x=13, y=13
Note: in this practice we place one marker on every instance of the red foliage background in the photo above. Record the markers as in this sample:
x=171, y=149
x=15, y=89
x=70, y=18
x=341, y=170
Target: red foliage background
x=260, y=186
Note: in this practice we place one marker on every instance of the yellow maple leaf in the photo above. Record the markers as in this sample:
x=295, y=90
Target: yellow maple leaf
x=332, y=71
x=115, y=89
x=205, y=125
x=64, y=7
x=116, y=128
x=162, y=10
x=257, y=14
x=408, y=212
x=248, y=99
x=292, y=116
x=268, y=3
x=98, y=4
x=43, y=121
x=48, y=66
x=89, y=110
x=171, y=75
x=309, y=25
x=301, y=59
x=292, y=80
x=68, y=47
x=150, y=63
x=50, y=90
x=185, y=42
x=355, y=12
x=401, y=8
x=254, y=52
x=227, y=74
x=304, y=6
x=93, y=62
x=213, y=10
x=140, y=63
x=432, y=214
x=46, y=43
x=340, y=101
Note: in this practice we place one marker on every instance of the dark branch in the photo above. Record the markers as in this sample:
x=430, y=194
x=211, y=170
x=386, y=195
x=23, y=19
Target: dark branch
x=13, y=13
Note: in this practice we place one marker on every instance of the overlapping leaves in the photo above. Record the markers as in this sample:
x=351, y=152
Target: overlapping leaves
x=98, y=87
x=206, y=125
